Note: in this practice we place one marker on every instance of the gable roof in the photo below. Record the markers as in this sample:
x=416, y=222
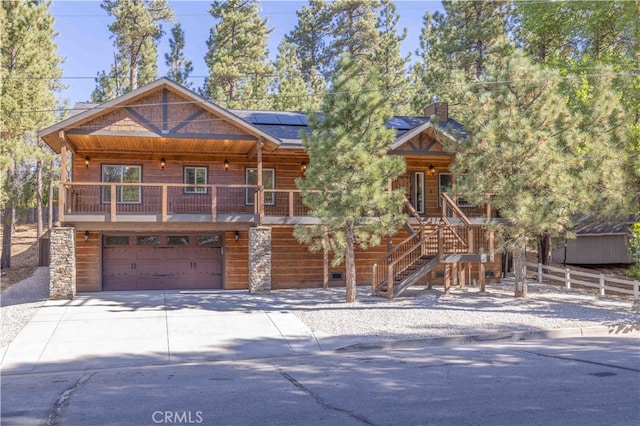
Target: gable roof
x=49, y=135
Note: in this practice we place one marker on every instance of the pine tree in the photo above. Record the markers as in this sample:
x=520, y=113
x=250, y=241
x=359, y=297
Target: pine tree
x=345, y=184
x=458, y=45
x=29, y=74
x=179, y=67
x=524, y=154
x=388, y=59
x=239, y=72
x=310, y=37
x=354, y=30
x=136, y=33
x=289, y=88
x=595, y=44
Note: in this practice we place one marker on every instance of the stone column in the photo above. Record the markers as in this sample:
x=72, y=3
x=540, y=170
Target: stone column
x=260, y=259
x=62, y=266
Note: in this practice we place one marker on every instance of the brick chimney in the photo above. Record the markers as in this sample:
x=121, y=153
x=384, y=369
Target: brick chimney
x=441, y=109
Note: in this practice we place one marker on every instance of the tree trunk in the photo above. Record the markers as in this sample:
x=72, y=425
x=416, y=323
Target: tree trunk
x=544, y=249
x=350, y=265
x=520, y=268
x=7, y=232
x=39, y=188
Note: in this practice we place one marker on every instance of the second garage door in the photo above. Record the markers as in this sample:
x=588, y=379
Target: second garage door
x=161, y=262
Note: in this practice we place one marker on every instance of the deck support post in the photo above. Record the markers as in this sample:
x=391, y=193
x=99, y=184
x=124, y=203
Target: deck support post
x=481, y=278
x=62, y=193
x=447, y=279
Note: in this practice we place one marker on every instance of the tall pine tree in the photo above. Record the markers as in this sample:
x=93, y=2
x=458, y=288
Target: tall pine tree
x=525, y=154
x=239, y=72
x=136, y=33
x=179, y=67
x=289, y=88
x=29, y=74
x=458, y=45
x=310, y=37
x=393, y=66
x=345, y=184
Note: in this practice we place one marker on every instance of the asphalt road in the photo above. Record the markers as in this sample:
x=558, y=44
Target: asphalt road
x=581, y=381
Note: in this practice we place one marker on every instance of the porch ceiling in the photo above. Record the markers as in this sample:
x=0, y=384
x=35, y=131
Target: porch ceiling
x=152, y=143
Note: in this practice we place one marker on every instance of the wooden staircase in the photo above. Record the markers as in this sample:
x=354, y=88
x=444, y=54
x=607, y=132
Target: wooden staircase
x=453, y=238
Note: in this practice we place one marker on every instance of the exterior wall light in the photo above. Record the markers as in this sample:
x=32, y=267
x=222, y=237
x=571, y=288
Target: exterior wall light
x=86, y=161
x=86, y=236
x=236, y=236
x=162, y=163
x=226, y=165
x=303, y=166
x=432, y=170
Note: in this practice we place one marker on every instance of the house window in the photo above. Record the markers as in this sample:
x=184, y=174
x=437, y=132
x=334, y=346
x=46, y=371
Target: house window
x=268, y=181
x=122, y=174
x=195, y=176
x=418, y=191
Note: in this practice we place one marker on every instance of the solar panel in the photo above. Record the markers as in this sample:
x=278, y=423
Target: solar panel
x=292, y=119
x=398, y=123
x=265, y=118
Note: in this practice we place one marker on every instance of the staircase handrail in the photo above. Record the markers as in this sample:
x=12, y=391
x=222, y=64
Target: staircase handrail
x=387, y=262
x=413, y=212
x=448, y=201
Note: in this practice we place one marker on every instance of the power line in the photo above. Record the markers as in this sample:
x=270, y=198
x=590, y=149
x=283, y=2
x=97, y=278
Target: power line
x=275, y=95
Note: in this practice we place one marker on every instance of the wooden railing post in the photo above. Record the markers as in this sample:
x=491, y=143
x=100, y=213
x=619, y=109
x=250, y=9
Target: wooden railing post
x=113, y=203
x=214, y=203
x=390, y=279
x=165, y=207
x=492, y=248
x=440, y=243
x=291, y=204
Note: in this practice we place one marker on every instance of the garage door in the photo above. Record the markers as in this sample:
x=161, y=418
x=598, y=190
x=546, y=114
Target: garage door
x=161, y=262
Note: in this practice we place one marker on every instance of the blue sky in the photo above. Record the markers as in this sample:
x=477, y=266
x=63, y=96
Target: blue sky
x=83, y=37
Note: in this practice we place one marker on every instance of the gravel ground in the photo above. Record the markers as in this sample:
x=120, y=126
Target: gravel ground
x=421, y=313
x=418, y=313
x=20, y=302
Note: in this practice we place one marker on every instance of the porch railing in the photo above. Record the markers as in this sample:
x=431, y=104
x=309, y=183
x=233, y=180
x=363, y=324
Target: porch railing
x=162, y=200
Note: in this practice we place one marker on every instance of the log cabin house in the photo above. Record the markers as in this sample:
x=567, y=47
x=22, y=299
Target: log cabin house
x=168, y=190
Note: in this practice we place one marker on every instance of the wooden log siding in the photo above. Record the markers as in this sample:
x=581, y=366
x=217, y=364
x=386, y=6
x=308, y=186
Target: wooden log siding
x=88, y=261
x=236, y=258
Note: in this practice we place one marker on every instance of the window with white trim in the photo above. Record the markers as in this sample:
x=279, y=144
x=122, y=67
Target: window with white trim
x=418, y=191
x=195, y=176
x=122, y=174
x=268, y=181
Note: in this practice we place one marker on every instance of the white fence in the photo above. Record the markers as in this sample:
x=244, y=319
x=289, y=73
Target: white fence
x=568, y=277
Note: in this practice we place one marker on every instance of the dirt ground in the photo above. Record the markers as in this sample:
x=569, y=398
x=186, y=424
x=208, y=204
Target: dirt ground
x=24, y=256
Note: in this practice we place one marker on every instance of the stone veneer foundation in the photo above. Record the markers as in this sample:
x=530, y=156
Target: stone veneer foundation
x=62, y=265
x=260, y=259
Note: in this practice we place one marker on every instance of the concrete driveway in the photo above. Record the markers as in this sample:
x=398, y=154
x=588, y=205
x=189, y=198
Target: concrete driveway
x=109, y=329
